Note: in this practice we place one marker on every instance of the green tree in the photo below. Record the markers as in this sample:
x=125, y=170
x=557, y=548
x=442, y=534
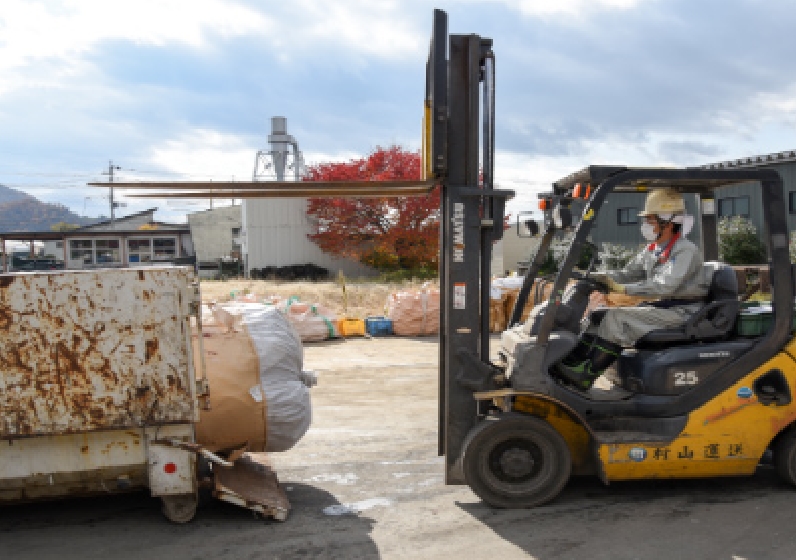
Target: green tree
x=63, y=226
x=738, y=242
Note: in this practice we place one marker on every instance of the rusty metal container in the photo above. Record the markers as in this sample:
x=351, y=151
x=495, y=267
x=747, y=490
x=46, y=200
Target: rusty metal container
x=95, y=369
x=98, y=392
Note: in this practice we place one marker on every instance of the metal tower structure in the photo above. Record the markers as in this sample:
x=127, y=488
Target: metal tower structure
x=273, y=163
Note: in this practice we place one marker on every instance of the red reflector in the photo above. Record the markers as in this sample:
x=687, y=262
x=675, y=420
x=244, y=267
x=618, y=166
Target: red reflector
x=588, y=192
x=577, y=192
x=170, y=468
x=543, y=204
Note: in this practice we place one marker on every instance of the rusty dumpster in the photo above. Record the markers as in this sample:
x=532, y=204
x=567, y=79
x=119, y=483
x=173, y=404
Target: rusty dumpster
x=97, y=386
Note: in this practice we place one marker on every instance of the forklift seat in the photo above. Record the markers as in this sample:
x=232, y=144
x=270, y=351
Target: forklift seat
x=714, y=321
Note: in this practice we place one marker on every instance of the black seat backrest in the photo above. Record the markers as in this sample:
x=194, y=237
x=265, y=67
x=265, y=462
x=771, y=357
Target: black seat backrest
x=716, y=318
x=723, y=281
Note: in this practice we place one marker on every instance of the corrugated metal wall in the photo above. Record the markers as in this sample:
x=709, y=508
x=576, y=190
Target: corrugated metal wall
x=276, y=235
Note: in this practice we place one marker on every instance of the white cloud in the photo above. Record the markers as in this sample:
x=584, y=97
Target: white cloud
x=529, y=175
x=205, y=154
x=542, y=8
x=386, y=29
x=64, y=31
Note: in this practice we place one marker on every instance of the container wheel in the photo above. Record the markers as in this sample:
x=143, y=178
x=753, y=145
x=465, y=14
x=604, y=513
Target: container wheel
x=785, y=456
x=516, y=461
x=180, y=508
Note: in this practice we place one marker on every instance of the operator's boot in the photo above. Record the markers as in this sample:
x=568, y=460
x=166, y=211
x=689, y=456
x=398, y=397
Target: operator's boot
x=600, y=357
x=581, y=351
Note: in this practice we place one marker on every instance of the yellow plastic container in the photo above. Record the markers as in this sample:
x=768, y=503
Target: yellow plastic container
x=351, y=327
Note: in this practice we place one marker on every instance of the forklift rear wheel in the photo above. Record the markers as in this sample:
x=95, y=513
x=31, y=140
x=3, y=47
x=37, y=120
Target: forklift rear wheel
x=180, y=508
x=785, y=456
x=516, y=461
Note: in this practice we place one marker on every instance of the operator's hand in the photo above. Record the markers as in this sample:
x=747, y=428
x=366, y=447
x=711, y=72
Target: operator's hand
x=614, y=286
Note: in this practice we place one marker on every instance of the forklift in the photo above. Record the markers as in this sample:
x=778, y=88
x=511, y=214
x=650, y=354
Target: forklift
x=697, y=401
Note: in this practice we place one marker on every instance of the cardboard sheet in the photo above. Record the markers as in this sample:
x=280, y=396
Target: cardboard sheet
x=237, y=414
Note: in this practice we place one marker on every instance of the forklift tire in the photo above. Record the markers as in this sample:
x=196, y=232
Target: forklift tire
x=785, y=456
x=180, y=508
x=516, y=461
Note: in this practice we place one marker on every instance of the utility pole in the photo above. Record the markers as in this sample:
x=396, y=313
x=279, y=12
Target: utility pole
x=109, y=173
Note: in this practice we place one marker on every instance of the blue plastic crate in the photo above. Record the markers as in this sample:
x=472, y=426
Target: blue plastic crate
x=378, y=326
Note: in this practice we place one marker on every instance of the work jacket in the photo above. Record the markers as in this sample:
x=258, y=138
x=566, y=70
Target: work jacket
x=680, y=276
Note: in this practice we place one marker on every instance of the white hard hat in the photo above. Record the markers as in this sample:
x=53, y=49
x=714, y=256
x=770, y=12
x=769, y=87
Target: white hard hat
x=663, y=201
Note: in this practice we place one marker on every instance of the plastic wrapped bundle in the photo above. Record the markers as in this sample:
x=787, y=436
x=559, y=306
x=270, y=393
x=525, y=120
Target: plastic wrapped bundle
x=497, y=312
x=313, y=323
x=259, y=394
x=414, y=313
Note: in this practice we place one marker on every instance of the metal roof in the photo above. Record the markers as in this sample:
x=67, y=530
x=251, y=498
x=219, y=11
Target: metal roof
x=754, y=161
x=120, y=219
x=641, y=179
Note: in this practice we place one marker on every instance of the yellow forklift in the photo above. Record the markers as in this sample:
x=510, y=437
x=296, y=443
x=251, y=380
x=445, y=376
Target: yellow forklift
x=704, y=400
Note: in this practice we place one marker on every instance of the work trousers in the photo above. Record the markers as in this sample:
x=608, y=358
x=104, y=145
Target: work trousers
x=625, y=325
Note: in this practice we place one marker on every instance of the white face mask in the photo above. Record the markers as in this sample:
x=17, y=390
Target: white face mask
x=648, y=231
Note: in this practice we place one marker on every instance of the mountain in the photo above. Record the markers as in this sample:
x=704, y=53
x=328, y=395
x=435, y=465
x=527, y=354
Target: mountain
x=21, y=212
x=8, y=194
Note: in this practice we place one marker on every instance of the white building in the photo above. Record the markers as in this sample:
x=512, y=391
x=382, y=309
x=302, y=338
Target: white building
x=134, y=240
x=216, y=233
x=275, y=234
x=275, y=230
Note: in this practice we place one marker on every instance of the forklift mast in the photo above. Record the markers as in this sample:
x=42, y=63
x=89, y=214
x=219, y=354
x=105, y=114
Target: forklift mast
x=459, y=119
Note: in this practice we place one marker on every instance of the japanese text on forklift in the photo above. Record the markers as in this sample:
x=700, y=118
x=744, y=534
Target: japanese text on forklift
x=696, y=398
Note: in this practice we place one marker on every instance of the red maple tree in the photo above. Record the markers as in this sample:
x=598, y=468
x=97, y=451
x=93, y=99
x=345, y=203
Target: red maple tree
x=388, y=233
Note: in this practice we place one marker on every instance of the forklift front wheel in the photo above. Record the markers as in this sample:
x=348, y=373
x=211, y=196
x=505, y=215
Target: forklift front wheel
x=179, y=508
x=785, y=456
x=516, y=461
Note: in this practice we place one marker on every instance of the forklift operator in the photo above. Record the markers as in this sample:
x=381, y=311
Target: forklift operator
x=669, y=269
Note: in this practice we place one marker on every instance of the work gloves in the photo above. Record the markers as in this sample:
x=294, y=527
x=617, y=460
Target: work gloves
x=610, y=283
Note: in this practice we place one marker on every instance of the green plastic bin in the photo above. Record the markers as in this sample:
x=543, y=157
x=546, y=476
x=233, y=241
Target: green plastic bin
x=750, y=323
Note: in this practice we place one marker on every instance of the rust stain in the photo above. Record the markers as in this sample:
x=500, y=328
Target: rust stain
x=151, y=349
x=60, y=364
x=84, y=449
x=725, y=412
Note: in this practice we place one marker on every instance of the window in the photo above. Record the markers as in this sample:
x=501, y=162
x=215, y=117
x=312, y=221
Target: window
x=107, y=251
x=59, y=244
x=139, y=250
x=627, y=216
x=82, y=251
x=94, y=251
x=236, y=232
x=734, y=206
x=792, y=202
x=164, y=248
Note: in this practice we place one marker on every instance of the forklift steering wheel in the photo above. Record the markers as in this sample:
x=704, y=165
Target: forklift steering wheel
x=594, y=284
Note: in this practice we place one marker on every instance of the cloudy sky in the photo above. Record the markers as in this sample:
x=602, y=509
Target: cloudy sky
x=183, y=89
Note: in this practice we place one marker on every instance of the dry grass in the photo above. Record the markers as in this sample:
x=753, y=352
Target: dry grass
x=362, y=298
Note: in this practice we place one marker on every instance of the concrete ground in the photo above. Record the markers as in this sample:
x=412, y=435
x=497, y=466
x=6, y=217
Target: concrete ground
x=366, y=482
